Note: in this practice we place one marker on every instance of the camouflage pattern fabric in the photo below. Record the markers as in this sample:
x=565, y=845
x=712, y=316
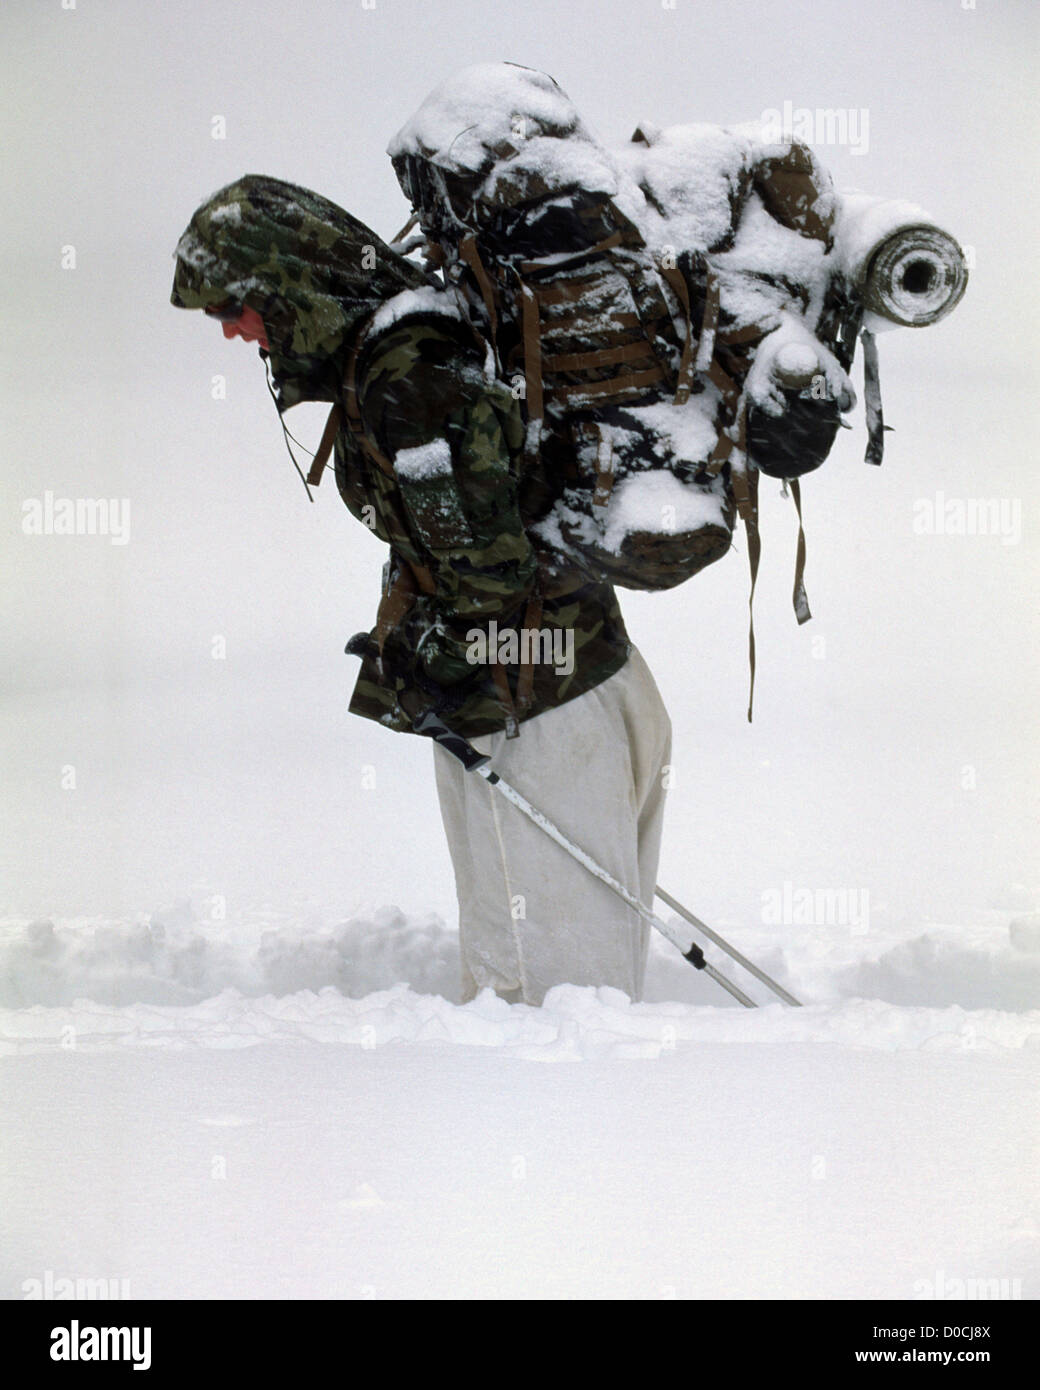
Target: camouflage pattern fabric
x=455, y=502
x=420, y=383
x=311, y=271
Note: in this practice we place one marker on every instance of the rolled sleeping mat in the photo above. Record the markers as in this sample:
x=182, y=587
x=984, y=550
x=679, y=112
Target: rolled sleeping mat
x=907, y=270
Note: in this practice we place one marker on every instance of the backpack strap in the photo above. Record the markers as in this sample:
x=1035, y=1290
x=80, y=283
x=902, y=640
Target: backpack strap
x=468, y=252
x=745, y=493
x=398, y=597
x=347, y=412
x=595, y=357
x=684, y=383
x=533, y=297
x=328, y=438
x=710, y=326
x=575, y=257
x=530, y=318
x=532, y=620
x=514, y=710
x=353, y=411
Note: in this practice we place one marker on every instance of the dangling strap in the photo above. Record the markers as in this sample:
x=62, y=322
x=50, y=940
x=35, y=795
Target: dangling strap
x=525, y=683
x=800, y=598
x=604, y=469
x=512, y=710
x=872, y=400
x=328, y=439
x=745, y=494
x=754, y=541
x=409, y=579
x=745, y=485
x=505, y=699
x=398, y=597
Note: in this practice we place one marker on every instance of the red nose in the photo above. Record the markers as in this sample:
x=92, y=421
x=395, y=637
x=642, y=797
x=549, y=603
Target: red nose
x=249, y=326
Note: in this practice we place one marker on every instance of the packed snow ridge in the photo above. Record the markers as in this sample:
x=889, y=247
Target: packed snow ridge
x=176, y=981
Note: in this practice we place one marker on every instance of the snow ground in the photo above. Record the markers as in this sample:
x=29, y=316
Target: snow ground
x=280, y=1107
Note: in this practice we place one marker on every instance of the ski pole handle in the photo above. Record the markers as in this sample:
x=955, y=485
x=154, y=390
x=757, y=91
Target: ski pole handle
x=434, y=727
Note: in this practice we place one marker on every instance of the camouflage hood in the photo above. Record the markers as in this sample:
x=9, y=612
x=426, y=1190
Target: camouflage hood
x=312, y=272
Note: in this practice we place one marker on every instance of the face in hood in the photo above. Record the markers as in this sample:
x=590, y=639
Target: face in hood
x=311, y=271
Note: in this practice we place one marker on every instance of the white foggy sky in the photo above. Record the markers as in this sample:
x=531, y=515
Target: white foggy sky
x=243, y=776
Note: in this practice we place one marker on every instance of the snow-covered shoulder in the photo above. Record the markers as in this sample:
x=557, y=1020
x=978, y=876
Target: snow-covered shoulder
x=427, y=299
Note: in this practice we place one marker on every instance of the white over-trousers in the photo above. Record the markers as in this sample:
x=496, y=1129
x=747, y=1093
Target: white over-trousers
x=530, y=916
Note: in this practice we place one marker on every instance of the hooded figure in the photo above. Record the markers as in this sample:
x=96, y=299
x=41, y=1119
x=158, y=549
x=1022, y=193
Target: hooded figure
x=428, y=464
x=311, y=271
x=512, y=647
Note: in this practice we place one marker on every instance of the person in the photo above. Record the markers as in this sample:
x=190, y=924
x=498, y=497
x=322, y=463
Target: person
x=516, y=649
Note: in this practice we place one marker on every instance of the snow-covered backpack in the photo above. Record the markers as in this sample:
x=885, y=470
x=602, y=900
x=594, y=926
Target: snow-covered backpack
x=525, y=215
x=679, y=315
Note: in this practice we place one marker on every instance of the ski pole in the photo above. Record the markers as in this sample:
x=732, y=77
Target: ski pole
x=432, y=725
x=731, y=951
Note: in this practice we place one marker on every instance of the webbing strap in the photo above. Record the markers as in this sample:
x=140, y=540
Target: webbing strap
x=512, y=709
x=597, y=357
x=353, y=410
x=745, y=494
x=721, y=452
x=328, y=439
x=872, y=400
x=724, y=446
x=607, y=244
x=604, y=470
x=404, y=230
x=754, y=541
x=505, y=699
x=754, y=544
x=525, y=684
x=684, y=381
x=709, y=324
x=532, y=350
x=591, y=319
x=469, y=253
x=630, y=382
x=732, y=337
x=728, y=388
x=395, y=602
x=800, y=599
x=423, y=577
x=565, y=292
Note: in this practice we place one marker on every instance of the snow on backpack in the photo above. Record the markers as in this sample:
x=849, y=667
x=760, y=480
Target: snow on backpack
x=521, y=207
x=678, y=316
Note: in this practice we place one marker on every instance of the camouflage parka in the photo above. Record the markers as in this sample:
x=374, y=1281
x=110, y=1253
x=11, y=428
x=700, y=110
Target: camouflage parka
x=433, y=464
